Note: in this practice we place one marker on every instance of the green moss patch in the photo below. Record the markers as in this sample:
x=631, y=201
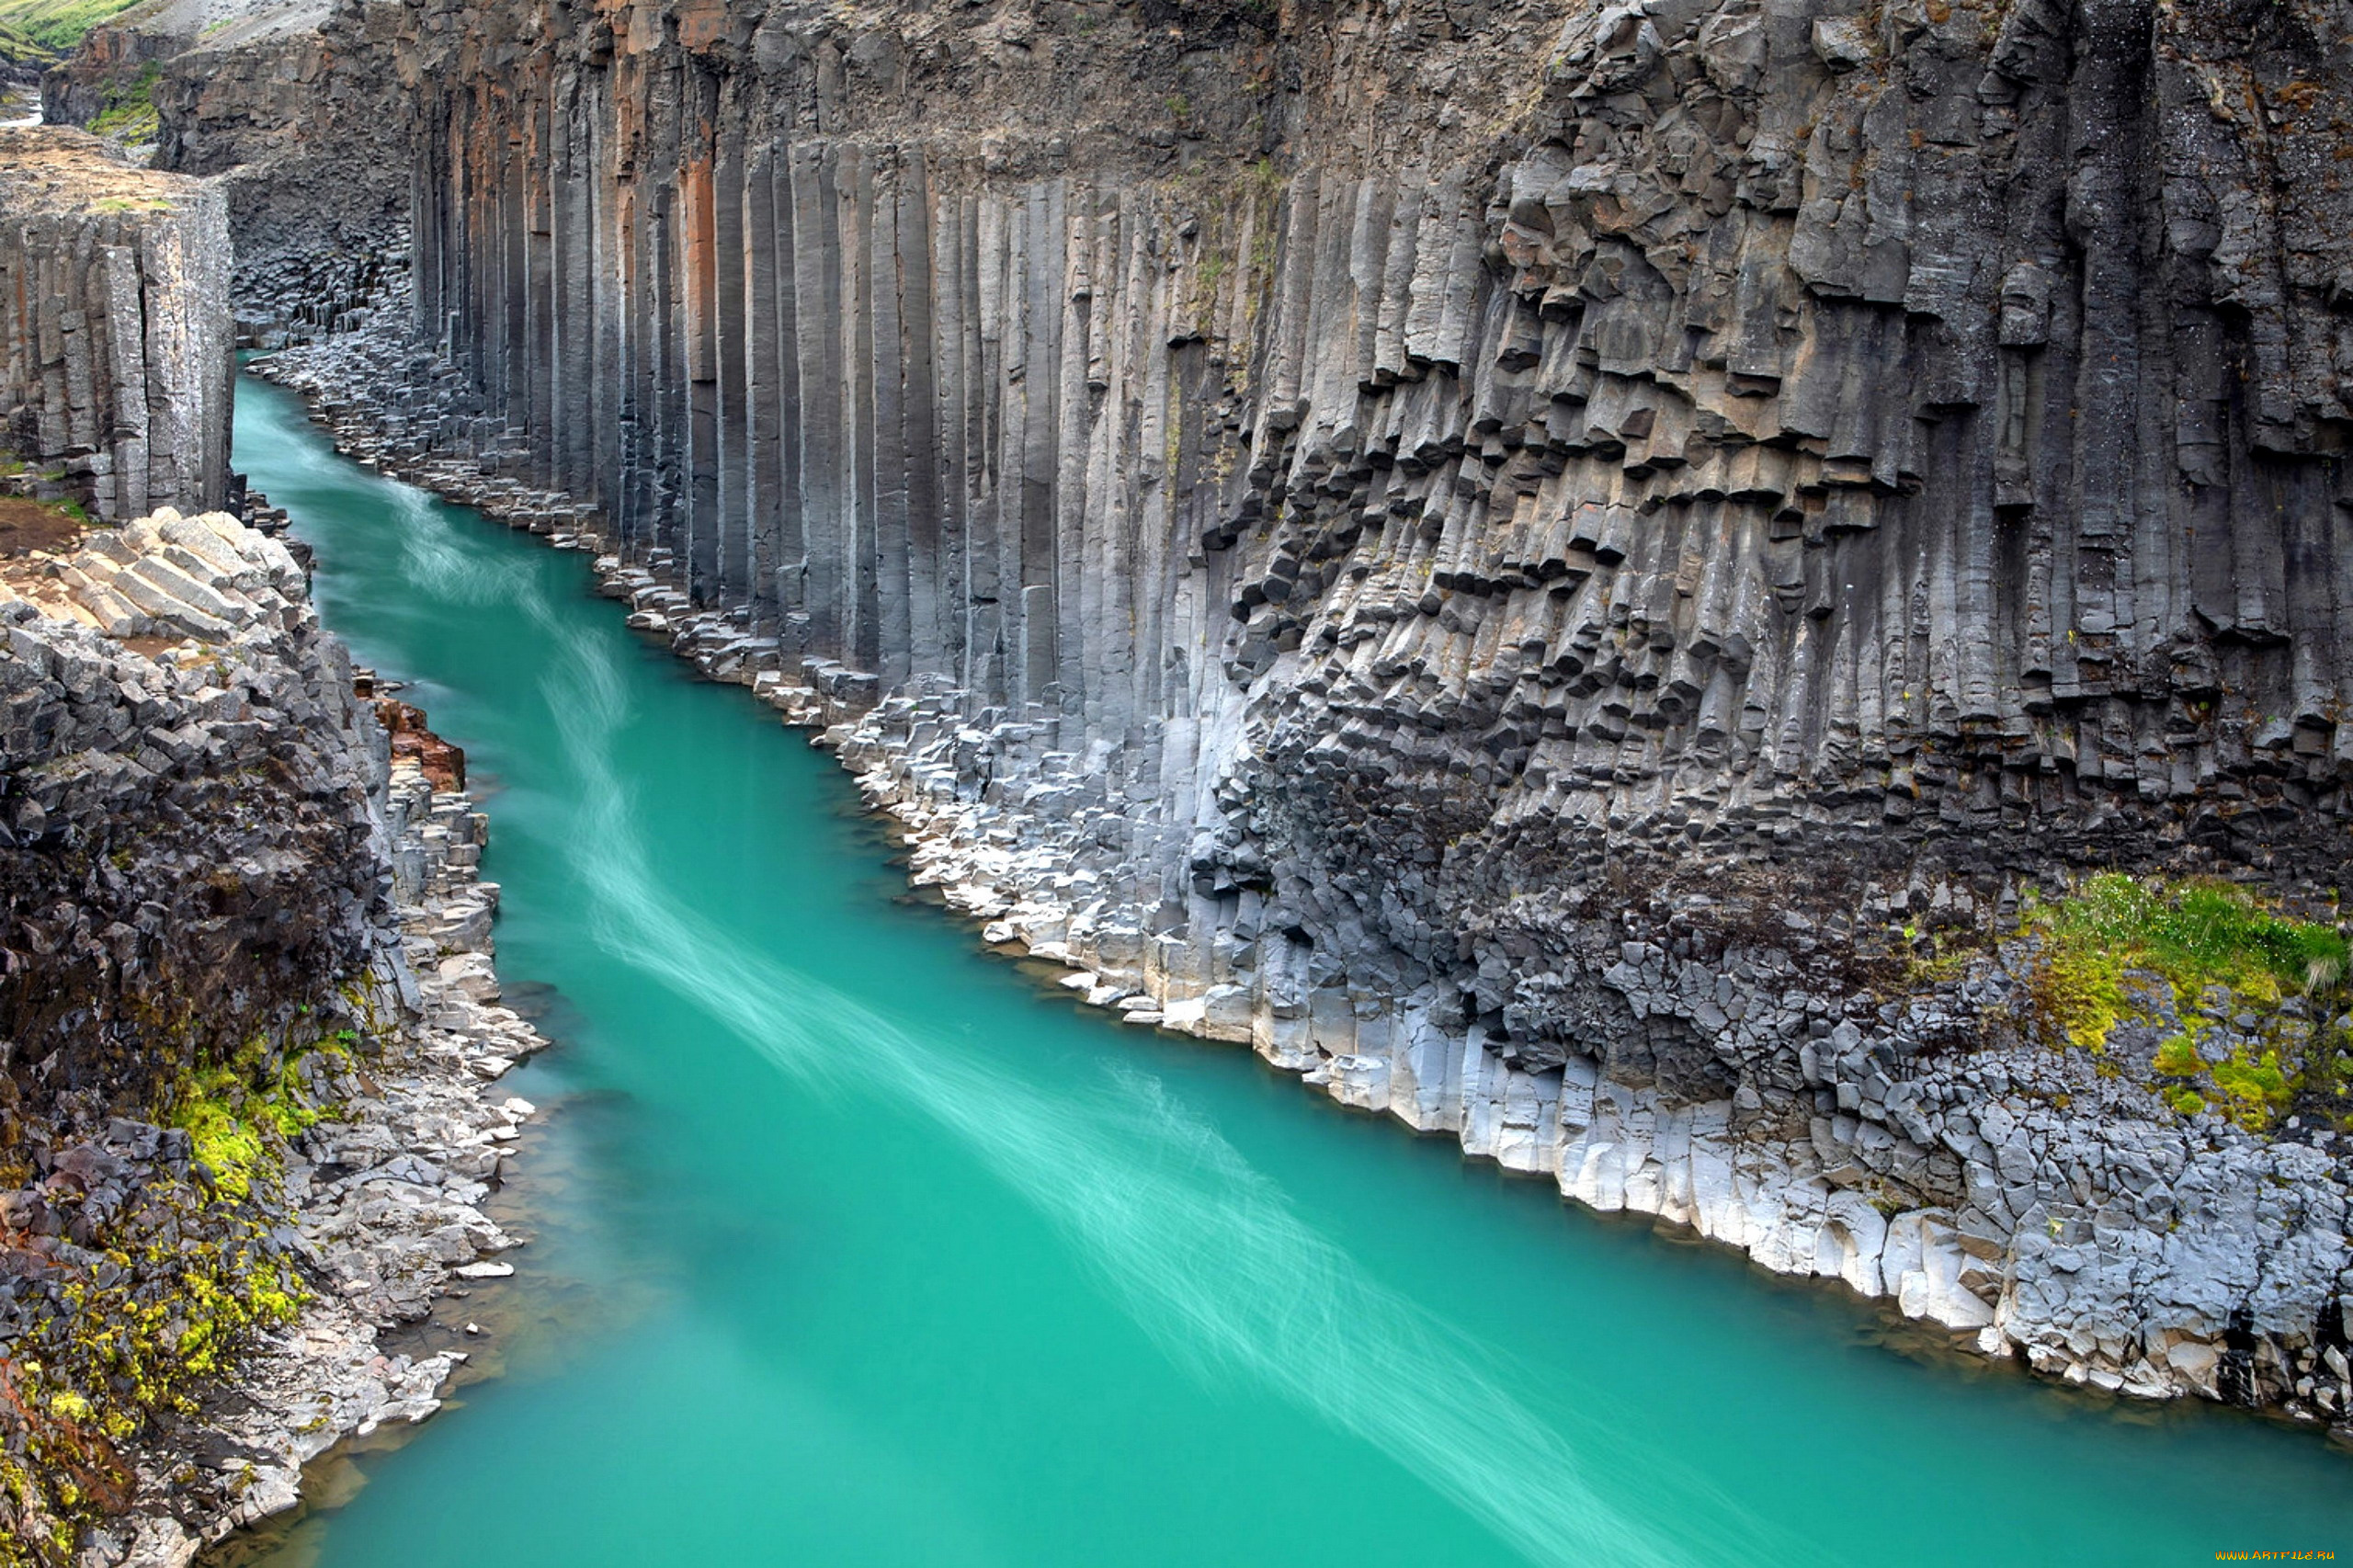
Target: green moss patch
x=58, y=24
x=2248, y=996
x=130, y=112
x=178, y=1293
x=2194, y=933
x=239, y=1114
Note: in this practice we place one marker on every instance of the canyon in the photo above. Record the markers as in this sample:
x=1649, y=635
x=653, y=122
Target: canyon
x=1504, y=588
x=1585, y=580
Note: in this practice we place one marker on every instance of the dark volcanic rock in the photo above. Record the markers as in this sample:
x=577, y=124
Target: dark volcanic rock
x=1506, y=560
x=114, y=326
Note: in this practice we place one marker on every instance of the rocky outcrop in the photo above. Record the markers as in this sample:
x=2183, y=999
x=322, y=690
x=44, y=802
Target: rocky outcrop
x=251, y=1038
x=114, y=326
x=1531, y=569
x=109, y=60
x=311, y=159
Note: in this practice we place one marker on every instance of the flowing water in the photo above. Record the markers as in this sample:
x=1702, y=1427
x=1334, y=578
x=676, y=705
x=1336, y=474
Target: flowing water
x=856, y=1249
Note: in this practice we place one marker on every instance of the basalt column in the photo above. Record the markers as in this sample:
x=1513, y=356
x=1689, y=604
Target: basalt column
x=1777, y=435
x=893, y=419
x=114, y=326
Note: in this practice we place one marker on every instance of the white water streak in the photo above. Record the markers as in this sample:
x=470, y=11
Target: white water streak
x=1206, y=1252
x=437, y=561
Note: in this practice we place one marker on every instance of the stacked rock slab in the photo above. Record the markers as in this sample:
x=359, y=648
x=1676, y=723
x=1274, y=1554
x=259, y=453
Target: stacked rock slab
x=114, y=326
x=1495, y=556
x=208, y=850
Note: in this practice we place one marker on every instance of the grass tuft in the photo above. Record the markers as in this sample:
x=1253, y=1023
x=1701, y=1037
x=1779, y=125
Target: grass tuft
x=2252, y=990
x=2194, y=933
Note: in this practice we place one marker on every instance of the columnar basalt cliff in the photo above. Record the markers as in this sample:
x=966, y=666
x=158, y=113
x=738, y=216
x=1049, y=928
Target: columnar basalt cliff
x=1527, y=566
x=114, y=326
x=248, y=1030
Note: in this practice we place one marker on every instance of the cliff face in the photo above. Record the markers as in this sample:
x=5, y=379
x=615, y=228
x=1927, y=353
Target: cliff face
x=103, y=68
x=247, y=1040
x=313, y=161
x=1758, y=422
x=190, y=851
x=114, y=326
x=1517, y=564
x=247, y=1031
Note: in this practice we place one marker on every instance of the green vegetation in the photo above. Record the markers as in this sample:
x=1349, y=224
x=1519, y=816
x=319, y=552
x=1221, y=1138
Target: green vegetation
x=130, y=112
x=180, y=1289
x=18, y=48
x=184, y=1288
x=2194, y=934
x=58, y=24
x=2179, y=1057
x=2250, y=992
x=237, y=1113
x=2254, y=1087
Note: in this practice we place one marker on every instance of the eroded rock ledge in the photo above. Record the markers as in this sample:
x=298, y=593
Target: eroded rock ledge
x=252, y=1034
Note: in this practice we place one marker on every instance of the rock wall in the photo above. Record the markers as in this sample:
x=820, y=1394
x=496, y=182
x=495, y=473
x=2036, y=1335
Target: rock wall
x=191, y=849
x=248, y=1030
x=250, y=1040
x=114, y=326
x=1518, y=564
x=107, y=61
x=311, y=159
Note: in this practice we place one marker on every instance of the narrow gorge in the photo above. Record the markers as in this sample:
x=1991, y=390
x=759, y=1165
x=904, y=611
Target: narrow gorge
x=1740, y=607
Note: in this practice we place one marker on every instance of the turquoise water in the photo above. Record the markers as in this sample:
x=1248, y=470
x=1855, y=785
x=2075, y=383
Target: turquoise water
x=855, y=1248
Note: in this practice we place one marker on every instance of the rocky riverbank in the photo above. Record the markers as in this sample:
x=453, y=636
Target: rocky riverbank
x=1921, y=1132
x=260, y=1144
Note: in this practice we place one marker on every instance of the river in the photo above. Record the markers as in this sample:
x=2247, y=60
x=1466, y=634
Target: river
x=855, y=1247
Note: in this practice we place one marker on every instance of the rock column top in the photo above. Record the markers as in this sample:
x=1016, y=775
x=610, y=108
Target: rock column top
x=114, y=326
